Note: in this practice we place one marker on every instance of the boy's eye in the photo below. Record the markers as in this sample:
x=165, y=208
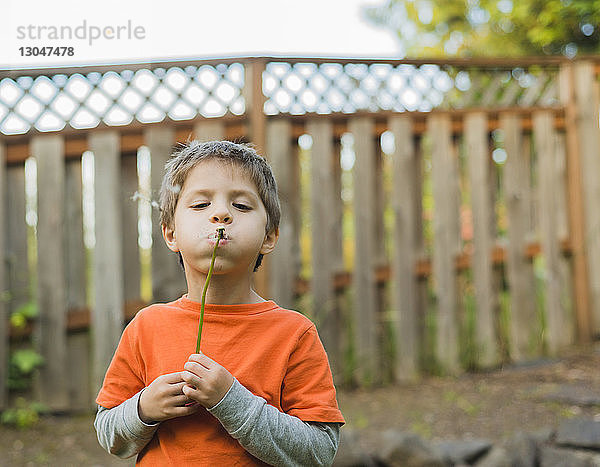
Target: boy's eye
x=200, y=205
x=243, y=207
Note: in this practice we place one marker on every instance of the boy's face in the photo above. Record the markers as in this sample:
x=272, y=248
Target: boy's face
x=216, y=194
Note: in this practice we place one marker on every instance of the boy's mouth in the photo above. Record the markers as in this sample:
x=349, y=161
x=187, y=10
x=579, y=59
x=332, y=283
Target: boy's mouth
x=215, y=236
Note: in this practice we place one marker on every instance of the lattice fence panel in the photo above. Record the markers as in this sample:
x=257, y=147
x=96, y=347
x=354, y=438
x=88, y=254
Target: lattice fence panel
x=179, y=92
x=333, y=87
x=49, y=103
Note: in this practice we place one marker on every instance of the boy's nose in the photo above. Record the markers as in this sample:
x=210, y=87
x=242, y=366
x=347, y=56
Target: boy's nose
x=221, y=218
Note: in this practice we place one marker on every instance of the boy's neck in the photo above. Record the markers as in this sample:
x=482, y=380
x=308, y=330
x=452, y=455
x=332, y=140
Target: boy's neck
x=224, y=290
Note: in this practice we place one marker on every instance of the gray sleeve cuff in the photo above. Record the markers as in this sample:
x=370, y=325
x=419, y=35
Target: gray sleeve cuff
x=121, y=431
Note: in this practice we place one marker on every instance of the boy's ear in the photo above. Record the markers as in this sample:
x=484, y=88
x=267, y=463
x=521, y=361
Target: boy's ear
x=169, y=236
x=270, y=241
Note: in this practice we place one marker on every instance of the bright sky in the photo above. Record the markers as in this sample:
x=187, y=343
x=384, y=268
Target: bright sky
x=132, y=30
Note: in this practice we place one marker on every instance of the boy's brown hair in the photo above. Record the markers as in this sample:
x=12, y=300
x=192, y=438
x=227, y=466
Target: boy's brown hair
x=193, y=152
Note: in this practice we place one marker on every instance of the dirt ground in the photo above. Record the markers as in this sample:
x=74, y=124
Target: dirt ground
x=488, y=405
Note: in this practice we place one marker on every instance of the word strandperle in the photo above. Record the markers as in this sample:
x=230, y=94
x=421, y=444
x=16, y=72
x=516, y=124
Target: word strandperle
x=83, y=31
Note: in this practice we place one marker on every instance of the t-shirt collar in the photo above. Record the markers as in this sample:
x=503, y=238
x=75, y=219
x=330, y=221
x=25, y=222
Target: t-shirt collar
x=237, y=309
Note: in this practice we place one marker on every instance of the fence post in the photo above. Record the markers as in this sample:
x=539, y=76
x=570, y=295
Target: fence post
x=478, y=161
x=257, y=133
x=168, y=279
x=406, y=204
x=587, y=101
x=446, y=240
x=559, y=324
x=78, y=343
x=18, y=280
x=284, y=260
x=365, y=290
x=525, y=326
x=4, y=298
x=583, y=275
x=51, y=382
x=107, y=311
x=325, y=249
x=129, y=227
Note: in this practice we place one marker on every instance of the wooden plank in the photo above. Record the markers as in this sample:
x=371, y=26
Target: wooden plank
x=587, y=104
x=446, y=240
x=78, y=345
x=4, y=284
x=257, y=134
x=107, y=316
x=406, y=205
x=478, y=160
x=525, y=327
x=326, y=250
x=129, y=222
x=210, y=129
x=285, y=259
x=559, y=324
x=562, y=230
x=365, y=296
x=168, y=279
x=576, y=212
x=51, y=386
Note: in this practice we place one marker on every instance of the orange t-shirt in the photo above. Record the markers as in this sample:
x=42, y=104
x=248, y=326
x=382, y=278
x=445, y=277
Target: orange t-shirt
x=275, y=353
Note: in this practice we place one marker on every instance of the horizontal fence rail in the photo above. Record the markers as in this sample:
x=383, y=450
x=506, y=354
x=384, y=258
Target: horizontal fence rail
x=437, y=216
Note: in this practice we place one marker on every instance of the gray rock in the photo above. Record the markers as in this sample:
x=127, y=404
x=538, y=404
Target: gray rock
x=551, y=456
x=575, y=395
x=522, y=450
x=462, y=451
x=349, y=452
x=399, y=449
x=496, y=457
x=579, y=432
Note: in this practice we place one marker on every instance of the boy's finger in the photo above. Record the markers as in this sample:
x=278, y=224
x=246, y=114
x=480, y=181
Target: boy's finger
x=176, y=388
x=173, y=378
x=191, y=379
x=201, y=359
x=196, y=368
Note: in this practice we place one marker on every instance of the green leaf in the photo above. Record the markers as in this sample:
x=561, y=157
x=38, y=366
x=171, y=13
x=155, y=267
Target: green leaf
x=26, y=360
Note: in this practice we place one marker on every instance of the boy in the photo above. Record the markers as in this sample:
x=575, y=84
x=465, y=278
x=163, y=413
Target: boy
x=268, y=395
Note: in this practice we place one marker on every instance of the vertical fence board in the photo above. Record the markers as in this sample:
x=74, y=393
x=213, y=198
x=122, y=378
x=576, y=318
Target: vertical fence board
x=525, y=327
x=129, y=222
x=51, y=382
x=365, y=292
x=107, y=310
x=4, y=297
x=284, y=261
x=406, y=207
x=446, y=240
x=208, y=130
x=325, y=251
x=588, y=103
x=168, y=279
x=559, y=324
x=580, y=276
x=478, y=157
x=78, y=344
x=562, y=231
x=337, y=257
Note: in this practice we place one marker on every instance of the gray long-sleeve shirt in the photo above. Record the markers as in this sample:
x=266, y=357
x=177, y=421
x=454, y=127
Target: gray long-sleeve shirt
x=274, y=437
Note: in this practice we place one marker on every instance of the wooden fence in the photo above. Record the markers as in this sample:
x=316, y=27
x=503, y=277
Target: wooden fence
x=471, y=241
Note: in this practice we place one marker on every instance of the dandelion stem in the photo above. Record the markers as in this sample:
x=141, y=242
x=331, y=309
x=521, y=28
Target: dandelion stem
x=220, y=232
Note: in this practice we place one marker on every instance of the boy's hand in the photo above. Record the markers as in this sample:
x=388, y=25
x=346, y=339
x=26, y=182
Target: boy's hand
x=207, y=381
x=163, y=399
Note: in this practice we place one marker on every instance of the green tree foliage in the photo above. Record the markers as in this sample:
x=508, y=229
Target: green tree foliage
x=492, y=27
